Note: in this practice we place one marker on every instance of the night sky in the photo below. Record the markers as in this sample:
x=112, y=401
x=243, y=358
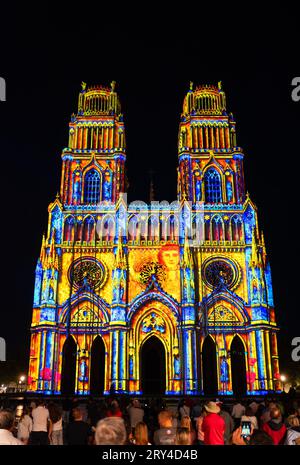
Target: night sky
x=44, y=64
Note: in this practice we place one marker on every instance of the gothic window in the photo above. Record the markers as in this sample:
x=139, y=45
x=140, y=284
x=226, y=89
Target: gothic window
x=198, y=228
x=236, y=228
x=132, y=228
x=153, y=228
x=227, y=229
x=207, y=229
x=69, y=229
x=108, y=228
x=89, y=229
x=172, y=228
x=213, y=190
x=217, y=228
x=92, y=187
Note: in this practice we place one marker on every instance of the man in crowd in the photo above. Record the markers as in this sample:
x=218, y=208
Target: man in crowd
x=40, y=419
x=136, y=414
x=275, y=428
x=166, y=434
x=213, y=425
x=78, y=431
x=6, y=427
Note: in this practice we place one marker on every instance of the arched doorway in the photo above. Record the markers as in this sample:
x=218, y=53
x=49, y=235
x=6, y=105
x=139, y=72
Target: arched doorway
x=209, y=367
x=238, y=367
x=153, y=367
x=97, y=370
x=68, y=374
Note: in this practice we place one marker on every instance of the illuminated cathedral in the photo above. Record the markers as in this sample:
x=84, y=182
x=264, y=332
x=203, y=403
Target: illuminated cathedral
x=158, y=298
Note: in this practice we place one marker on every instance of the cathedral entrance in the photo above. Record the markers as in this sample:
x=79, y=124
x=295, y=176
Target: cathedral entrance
x=209, y=367
x=238, y=367
x=153, y=367
x=97, y=371
x=68, y=374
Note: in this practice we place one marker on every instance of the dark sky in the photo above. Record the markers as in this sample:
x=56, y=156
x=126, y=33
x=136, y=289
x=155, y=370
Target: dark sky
x=44, y=62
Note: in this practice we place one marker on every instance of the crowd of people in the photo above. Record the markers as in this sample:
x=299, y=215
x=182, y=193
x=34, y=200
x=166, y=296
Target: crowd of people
x=120, y=421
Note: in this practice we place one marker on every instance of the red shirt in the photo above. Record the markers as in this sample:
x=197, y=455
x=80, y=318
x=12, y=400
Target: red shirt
x=117, y=413
x=276, y=433
x=213, y=427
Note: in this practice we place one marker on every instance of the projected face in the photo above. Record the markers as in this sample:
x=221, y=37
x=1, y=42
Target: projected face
x=169, y=256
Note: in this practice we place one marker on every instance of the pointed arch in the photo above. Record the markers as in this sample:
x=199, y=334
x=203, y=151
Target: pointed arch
x=106, y=228
x=217, y=228
x=153, y=228
x=212, y=185
x=172, y=228
x=68, y=374
x=238, y=366
x=69, y=228
x=89, y=229
x=209, y=366
x=153, y=366
x=97, y=369
x=92, y=184
x=133, y=228
x=237, y=228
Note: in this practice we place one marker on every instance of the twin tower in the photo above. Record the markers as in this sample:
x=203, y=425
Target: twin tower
x=153, y=299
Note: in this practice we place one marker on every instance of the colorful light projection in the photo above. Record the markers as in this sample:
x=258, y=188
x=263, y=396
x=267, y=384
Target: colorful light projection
x=101, y=296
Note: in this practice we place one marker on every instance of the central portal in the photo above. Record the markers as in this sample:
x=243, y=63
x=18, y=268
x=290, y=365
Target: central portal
x=153, y=367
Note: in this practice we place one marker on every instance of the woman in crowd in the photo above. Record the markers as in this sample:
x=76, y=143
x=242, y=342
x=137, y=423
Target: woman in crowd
x=293, y=431
x=187, y=423
x=140, y=437
x=56, y=425
x=25, y=425
x=183, y=437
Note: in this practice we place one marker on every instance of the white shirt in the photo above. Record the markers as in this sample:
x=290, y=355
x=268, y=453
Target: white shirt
x=136, y=415
x=8, y=439
x=238, y=410
x=57, y=426
x=40, y=416
x=24, y=427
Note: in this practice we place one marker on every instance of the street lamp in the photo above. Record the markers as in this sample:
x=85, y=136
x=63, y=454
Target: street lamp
x=21, y=382
x=283, y=380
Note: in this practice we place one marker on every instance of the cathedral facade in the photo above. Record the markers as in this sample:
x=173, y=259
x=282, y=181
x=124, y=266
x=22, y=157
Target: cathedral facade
x=139, y=298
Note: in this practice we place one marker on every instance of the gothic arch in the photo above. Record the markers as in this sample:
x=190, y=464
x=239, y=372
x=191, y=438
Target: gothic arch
x=69, y=228
x=69, y=362
x=217, y=228
x=209, y=355
x=88, y=229
x=106, y=228
x=98, y=370
x=237, y=233
x=146, y=297
x=231, y=301
x=213, y=181
x=238, y=364
x=92, y=186
x=79, y=299
x=153, y=318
